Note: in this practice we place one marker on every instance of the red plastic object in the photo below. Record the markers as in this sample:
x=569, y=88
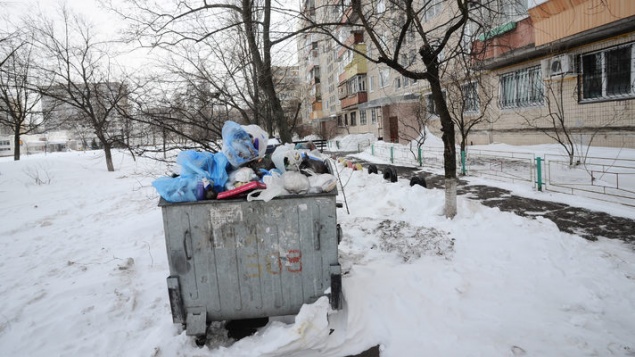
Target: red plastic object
x=253, y=185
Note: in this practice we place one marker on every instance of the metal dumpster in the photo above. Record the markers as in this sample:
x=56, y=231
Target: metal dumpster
x=233, y=259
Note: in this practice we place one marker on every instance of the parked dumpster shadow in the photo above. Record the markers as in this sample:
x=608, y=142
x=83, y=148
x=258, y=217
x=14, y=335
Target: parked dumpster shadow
x=372, y=352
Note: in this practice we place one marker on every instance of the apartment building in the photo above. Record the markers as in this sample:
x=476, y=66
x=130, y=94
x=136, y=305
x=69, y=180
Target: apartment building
x=568, y=62
x=347, y=94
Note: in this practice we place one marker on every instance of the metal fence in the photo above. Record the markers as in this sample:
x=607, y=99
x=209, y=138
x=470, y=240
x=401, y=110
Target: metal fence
x=607, y=179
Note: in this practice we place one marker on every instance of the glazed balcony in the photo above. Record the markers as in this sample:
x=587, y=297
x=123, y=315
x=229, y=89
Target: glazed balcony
x=354, y=100
x=358, y=64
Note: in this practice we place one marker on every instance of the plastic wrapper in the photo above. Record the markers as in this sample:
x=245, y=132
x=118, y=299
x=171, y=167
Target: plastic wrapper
x=242, y=144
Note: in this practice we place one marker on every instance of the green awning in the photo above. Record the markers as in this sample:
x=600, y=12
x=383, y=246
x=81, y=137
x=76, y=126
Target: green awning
x=497, y=31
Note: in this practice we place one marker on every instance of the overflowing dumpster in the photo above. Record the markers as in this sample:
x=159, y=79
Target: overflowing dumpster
x=234, y=259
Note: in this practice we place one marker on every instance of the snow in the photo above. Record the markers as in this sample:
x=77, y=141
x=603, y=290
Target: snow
x=84, y=264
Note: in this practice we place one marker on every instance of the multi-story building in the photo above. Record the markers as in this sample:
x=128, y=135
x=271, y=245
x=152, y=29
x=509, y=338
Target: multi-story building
x=286, y=81
x=572, y=61
x=345, y=93
x=568, y=61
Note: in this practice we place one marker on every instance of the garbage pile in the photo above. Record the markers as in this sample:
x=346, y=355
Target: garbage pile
x=244, y=168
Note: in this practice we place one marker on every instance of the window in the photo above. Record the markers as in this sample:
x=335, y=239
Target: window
x=522, y=88
x=356, y=84
x=609, y=73
x=339, y=121
x=371, y=83
x=384, y=77
x=433, y=9
x=513, y=9
x=353, y=119
x=470, y=98
x=381, y=6
x=373, y=116
x=398, y=82
x=468, y=37
x=362, y=117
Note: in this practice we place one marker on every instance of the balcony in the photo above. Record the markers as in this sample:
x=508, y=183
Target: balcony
x=317, y=114
x=342, y=91
x=355, y=99
x=358, y=65
x=504, y=39
x=355, y=38
x=316, y=93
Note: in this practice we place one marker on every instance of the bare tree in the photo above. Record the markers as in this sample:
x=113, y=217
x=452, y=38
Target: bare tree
x=415, y=124
x=469, y=96
x=19, y=103
x=83, y=79
x=190, y=21
x=432, y=29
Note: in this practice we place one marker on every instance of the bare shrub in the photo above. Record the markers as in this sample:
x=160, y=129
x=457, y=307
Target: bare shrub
x=40, y=174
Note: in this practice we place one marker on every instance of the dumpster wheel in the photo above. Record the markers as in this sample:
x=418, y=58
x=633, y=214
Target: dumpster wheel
x=200, y=340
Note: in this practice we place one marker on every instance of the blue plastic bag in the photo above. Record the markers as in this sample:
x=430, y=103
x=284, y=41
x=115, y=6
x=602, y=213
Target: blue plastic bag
x=195, y=166
x=176, y=189
x=237, y=144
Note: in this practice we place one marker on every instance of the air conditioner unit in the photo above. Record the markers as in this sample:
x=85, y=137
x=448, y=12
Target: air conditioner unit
x=558, y=65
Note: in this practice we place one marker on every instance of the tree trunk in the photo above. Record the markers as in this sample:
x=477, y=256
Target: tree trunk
x=108, y=154
x=450, y=197
x=16, y=145
x=263, y=65
x=447, y=127
x=463, y=153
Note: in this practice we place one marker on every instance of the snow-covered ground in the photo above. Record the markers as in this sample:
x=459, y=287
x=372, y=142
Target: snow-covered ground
x=84, y=264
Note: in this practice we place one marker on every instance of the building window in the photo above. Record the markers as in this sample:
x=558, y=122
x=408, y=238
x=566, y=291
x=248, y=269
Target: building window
x=434, y=8
x=339, y=121
x=522, y=88
x=353, y=119
x=373, y=116
x=398, y=82
x=609, y=74
x=357, y=84
x=384, y=77
x=381, y=6
x=470, y=98
x=345, y=119
x=512, y=10
x=362, y=117
x=371, y=83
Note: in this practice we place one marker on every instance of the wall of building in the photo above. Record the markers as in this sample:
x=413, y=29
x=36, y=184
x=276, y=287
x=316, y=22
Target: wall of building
x=609, y=122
